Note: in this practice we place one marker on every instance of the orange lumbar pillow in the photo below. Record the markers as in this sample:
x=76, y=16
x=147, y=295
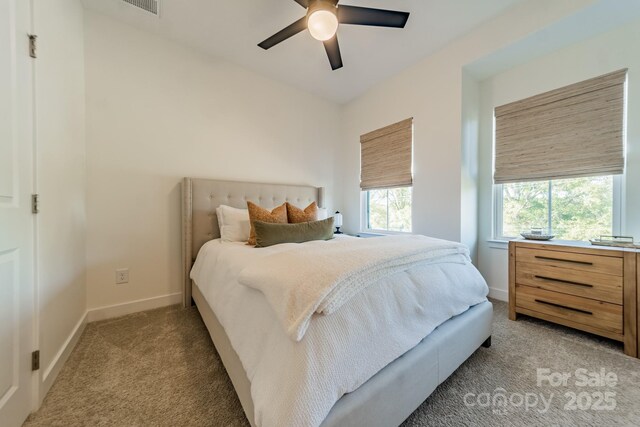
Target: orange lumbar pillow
x=296, y=215
x=256, y=213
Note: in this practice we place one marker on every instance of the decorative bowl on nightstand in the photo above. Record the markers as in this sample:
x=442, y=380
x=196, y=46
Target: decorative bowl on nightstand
x=537, y=236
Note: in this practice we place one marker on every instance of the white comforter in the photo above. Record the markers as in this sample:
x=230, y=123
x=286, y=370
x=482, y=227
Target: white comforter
x=297, y=383
x=327, y=275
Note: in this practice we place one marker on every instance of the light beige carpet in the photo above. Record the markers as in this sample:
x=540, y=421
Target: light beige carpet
x=159, y=368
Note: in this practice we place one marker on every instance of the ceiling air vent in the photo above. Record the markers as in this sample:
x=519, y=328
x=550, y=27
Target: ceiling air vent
x=150, y=6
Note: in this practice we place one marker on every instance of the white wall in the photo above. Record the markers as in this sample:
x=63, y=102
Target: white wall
x=61, y=180
x=469, y=164
x=431, y=92
x=156, y=112
x=607, y=52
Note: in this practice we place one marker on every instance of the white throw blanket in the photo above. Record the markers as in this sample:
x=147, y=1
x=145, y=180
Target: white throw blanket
x=319, y=277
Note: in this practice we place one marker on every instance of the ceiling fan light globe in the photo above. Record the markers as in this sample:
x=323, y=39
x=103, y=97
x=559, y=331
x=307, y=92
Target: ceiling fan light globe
x=322, y=24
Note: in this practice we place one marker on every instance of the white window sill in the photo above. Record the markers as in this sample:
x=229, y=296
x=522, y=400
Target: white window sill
x=384, y=232
x=498, y=244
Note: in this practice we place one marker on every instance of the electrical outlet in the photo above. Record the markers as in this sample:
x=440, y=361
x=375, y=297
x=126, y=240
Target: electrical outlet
x=122, y=276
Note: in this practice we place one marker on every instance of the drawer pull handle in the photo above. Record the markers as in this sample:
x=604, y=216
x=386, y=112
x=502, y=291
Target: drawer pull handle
x=564, y=260
x=563, y=306
x=568, y=282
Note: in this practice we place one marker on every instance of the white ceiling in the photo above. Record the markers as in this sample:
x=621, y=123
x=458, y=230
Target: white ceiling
x=231, y=29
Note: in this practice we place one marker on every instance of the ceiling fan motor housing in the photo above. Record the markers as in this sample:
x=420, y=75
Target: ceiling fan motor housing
x=328, y=5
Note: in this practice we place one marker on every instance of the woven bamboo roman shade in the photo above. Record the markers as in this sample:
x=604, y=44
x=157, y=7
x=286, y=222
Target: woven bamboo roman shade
x=569, y=132
x=385, y=156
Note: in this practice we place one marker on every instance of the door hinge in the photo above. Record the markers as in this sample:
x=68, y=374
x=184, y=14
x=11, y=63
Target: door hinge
x=35, y=208
x=32, y=45
x=35, y=360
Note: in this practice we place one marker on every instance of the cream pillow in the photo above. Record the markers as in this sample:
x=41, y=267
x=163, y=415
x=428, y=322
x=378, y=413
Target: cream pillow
x=234, y=224
x=322, y=214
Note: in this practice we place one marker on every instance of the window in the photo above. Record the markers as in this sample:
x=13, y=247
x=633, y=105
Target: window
x=558, y=158
x=388, y=209
x=572, y=209
x=386, y=178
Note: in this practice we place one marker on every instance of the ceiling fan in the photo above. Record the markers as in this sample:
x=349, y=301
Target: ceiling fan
x=322, y=20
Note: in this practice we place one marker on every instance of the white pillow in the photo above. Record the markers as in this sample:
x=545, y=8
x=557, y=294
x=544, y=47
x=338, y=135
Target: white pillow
x=234, y=224
x=322, y=213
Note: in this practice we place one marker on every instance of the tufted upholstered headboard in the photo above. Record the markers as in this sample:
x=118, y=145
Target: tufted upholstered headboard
x=201, y=197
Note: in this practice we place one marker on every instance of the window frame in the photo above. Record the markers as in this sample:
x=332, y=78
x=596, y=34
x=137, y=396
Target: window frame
x=618, y=209
x=364, y=214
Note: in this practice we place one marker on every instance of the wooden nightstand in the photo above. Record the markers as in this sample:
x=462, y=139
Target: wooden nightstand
x=593, y=289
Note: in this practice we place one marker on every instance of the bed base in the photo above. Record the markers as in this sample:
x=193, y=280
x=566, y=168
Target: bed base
x=391, y=395
x=230, y=358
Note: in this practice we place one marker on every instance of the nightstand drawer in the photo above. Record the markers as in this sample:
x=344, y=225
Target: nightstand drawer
x=599, y=286
x=595, y=314
x=572, y=260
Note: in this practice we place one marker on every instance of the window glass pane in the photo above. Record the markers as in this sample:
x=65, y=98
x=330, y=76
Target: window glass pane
x=377, y=209
x=389, y=209
x=582, y=208
x=525, y=205
x=399, y=200
x=572, y=209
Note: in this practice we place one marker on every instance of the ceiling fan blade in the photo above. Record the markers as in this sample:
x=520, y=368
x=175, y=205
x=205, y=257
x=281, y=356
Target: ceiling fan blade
x=284, y=34
x=333, y=52
x=375, y=17
x=303, y=3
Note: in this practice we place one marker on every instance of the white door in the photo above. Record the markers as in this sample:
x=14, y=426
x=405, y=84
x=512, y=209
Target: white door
x=16, y=221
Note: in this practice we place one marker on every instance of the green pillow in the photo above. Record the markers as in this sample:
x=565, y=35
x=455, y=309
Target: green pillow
x=269, y=234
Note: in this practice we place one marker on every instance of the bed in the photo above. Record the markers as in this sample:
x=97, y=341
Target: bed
x=385, y=398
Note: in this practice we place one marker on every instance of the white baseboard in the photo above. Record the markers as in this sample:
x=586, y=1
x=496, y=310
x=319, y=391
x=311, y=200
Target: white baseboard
x=117, y=310
x=499, y=294
x=51, y=372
